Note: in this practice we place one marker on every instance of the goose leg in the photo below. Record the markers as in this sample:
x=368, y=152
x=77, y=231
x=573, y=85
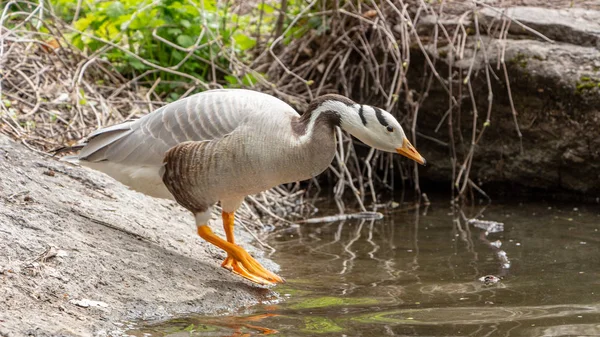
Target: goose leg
x=236, y=266
x=238, y=260
x=228, y=224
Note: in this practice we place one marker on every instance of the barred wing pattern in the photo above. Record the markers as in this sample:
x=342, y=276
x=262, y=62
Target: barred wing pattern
x=204, y=116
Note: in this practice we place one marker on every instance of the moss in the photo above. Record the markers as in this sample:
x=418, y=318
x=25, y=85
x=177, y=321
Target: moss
x=581, y=86
x=520, y=60
x=398, y=316
x=586, y=83
x=320, y=325
x=330, y=301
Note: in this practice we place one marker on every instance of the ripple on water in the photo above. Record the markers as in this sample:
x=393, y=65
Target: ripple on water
x=418, y=275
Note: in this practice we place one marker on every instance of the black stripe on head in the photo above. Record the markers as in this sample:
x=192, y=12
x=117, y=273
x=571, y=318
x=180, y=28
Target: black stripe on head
x=380, y=118
x=329, y=97
x=362, y=115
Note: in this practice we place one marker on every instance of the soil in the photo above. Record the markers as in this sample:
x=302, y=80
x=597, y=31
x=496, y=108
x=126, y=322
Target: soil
x=70, y=235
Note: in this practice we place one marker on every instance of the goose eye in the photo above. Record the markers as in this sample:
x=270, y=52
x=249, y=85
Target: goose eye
x=390, y=128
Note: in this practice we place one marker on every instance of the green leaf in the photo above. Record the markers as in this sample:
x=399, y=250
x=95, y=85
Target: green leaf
x=77, y=42
x=249, y=80
x=231, y=79
x=266, y=8
x=185, y=41
x=209, y=5
x=244, y=42
x=115, y=9
x=177, y=56
x=174, y=31
x=83, y=23
x=136, y=64
x=185, y=23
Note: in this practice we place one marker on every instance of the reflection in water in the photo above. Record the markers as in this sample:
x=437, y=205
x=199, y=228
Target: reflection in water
x=417, y=273
x=230, y=326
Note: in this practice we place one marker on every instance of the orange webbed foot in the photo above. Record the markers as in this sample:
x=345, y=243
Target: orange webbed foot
x=238, y=260
x=244, y=265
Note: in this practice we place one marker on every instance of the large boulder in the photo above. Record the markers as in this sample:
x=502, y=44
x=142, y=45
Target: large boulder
x=555, y=88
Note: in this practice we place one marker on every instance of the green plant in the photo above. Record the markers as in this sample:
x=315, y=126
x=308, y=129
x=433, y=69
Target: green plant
x=176, y=39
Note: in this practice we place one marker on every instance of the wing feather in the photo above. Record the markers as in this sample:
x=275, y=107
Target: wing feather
x=209, y=115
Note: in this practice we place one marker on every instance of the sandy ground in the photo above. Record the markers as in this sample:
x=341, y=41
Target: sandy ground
x=69, y=234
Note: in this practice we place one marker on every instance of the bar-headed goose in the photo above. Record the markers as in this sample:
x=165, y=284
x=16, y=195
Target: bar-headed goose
x=221, y=145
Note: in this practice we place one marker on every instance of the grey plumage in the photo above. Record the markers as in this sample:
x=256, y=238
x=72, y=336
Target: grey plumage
x=253, y=142
x=222, y=145
x=204, y=116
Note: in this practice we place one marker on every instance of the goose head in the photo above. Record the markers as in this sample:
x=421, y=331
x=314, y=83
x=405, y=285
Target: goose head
x=371, y=125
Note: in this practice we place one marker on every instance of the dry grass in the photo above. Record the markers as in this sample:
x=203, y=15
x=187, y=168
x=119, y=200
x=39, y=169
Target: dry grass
x=368, y=54
x=53, y=95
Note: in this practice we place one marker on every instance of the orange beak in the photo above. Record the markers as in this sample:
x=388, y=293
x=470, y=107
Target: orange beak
x=409, y=151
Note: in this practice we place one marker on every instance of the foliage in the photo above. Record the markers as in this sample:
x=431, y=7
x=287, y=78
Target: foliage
x=199, y=38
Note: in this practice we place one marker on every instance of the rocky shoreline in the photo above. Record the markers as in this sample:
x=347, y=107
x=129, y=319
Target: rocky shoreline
x=82, y=254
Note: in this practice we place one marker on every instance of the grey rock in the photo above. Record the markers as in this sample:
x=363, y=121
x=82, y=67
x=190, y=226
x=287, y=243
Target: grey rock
x=576, y=26
x=138, y=255
x=556, y=92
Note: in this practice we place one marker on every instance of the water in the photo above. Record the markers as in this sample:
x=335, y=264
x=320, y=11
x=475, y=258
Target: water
x=416, y=273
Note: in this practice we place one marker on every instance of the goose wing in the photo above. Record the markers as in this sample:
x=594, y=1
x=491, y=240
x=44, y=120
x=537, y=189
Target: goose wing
x=209, y=115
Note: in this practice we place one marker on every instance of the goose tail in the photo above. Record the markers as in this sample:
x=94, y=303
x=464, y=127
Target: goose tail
x=95, y=145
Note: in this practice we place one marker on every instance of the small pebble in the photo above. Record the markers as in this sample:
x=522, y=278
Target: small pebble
x=496, y=243
x=489, y=279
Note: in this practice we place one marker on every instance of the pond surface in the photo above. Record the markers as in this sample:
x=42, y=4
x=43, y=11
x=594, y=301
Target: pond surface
x=416, y=273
